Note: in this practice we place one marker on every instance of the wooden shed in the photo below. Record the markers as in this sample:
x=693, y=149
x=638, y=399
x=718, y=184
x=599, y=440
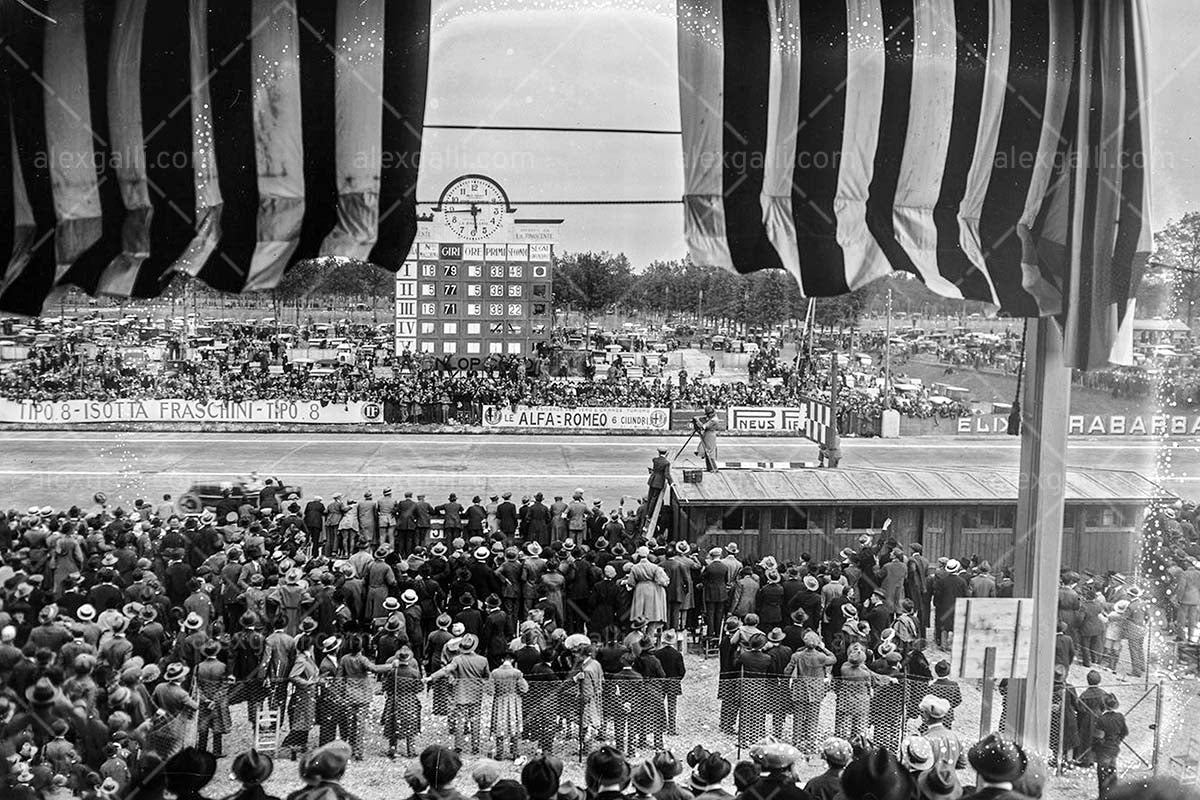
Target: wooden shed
x=952, y=512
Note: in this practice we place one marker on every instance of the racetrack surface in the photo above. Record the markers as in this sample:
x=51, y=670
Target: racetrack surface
x=62, y=468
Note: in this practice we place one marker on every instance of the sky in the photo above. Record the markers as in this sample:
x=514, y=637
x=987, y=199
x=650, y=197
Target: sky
x=612, y=64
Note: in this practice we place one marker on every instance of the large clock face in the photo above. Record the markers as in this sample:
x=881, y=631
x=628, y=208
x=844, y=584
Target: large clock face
x=474, y=208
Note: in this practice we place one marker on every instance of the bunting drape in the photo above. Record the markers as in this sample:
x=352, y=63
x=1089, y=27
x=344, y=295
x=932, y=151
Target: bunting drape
x=223, y=139
x=994, y=149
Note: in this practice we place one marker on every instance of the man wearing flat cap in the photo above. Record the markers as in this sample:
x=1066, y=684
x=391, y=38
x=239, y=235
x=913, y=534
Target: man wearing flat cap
x=707, y=426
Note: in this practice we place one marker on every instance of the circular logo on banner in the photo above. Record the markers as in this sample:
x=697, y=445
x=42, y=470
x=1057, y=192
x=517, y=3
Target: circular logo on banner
x=372, y=412
x=659, y=418
x=492, y=416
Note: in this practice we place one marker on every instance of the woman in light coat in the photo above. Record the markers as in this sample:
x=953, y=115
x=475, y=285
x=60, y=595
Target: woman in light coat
x=649, y=602
x=508, y=722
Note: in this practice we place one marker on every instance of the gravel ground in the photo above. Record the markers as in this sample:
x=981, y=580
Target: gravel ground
x=377, y=777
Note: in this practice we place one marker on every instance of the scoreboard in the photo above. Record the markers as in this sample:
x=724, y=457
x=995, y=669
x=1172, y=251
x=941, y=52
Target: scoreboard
x=456, y=297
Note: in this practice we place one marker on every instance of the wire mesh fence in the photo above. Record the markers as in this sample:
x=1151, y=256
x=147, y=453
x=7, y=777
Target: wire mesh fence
x=513, y=715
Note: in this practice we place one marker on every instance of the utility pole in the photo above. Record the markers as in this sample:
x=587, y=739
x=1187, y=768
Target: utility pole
x=700, y=309
x=887, y=355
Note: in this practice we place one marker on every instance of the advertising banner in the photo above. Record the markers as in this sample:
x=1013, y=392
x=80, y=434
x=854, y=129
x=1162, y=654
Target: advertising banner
x=765, y=418
x=553, y=418
x=1094, y=425
x=310, y=412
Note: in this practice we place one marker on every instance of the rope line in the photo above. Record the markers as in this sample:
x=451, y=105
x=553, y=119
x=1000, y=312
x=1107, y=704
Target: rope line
x=555, y=129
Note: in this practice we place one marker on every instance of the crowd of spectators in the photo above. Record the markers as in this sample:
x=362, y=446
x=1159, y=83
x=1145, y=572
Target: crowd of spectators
x=58, y=373
x=127, y=636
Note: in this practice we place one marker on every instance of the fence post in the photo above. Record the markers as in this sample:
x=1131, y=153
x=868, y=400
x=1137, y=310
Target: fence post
x=1062, y=719
x=903, y=714
x=1158, y=714
x=741, y=710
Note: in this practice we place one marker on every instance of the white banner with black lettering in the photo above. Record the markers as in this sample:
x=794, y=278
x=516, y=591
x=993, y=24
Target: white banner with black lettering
x=765, y=418
x=306, y=412
x=1094, y=425
x=584, y=418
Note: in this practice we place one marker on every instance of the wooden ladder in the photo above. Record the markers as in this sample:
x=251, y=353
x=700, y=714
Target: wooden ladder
x=266, y=731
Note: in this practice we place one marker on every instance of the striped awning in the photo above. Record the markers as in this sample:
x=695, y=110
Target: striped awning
x=995, y=149
x=224, y=139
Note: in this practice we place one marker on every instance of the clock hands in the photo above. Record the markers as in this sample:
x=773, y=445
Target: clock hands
x=475, y=218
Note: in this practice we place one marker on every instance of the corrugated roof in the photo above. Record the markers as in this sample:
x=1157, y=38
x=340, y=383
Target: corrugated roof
x=851, y=485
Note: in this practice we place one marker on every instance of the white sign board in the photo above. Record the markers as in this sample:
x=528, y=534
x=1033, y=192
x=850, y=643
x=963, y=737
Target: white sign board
x=765, y=418
x=1005, y=624
x=553, y=418
x=312, y=412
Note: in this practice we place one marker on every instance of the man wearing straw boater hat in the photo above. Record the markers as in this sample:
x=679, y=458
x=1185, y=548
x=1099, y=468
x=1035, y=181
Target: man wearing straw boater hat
x=470, y=672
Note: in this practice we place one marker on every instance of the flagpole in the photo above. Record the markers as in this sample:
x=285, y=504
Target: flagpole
x=1037, y=555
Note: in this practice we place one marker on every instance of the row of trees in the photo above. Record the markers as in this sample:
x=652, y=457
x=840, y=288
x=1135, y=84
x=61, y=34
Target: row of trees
x=598, y=282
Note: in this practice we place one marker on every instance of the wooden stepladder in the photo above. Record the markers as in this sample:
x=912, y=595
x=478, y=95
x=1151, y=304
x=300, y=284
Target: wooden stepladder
x=266, y=730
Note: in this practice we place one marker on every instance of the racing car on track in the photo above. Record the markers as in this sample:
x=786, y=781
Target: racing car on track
x=202, y=496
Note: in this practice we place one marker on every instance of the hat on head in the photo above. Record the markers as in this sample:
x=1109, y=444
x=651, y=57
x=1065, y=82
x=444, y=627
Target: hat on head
x=486, y=773
x=731, y=548
x=210, y=649
x=49, y=613
x=392, y=625
x=508, y=789
x=176, y=671
x=709, y=770
x=667, y=764
x=193, y=622
x=468, y=643
x=568, y=545
x=774, y=756
x=252, y=767
x=541, y=775
x=811, y=583
x=940, y=782
x=409, y=597
x=189, y=770
x=849, y=610
x=836, y=751
x=86, y=613
x=935, y=708
x=877, y=775
x=776, y=635
x=606, y=768
x=327, y=762
x=482, y=553
x=682, y=548
x=916, y=753
x=646, y=778
x=42, y=693
x=439, y=765
x=952, y=566
x=331, y=643
x=391, y=604
x=997, y=759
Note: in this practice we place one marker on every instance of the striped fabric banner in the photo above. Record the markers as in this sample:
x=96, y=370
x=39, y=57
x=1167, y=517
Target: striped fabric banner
x=995, y=149
x=223, y=139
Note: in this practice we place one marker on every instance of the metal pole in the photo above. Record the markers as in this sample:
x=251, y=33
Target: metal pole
x=887, y=355
x=1158, y=718
x=1039, y=526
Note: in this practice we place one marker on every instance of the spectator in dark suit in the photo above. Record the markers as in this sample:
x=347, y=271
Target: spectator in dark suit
x=406, y=524
x=451, y=514
x=537, y=517
x=506, y=516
